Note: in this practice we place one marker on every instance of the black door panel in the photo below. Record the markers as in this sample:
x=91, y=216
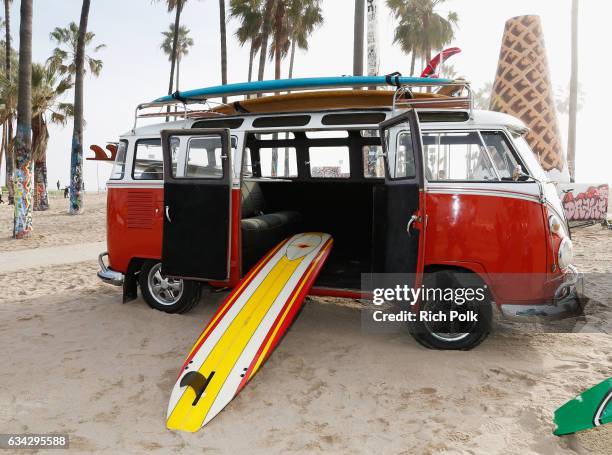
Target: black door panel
x=197, y=204
x=397, y=248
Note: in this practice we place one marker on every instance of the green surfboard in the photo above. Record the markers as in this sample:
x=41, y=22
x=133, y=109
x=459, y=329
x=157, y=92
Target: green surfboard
x=590, y=409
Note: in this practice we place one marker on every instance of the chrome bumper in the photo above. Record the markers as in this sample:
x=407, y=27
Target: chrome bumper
x=568, y=301
x=106, y=274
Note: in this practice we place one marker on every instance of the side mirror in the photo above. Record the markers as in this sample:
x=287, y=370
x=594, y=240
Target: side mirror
x=518, y=173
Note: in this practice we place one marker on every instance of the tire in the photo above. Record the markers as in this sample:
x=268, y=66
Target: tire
x=167, y=294
x=467, y=335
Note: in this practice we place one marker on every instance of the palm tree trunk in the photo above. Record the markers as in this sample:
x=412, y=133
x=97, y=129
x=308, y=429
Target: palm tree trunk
x=8, y=126
x=265, y=31
x=2, y=145
x=7, y=61
x=177, y=23
x=277, y=45
x=412, y=62
x=40, y=139
x=178, y=72
x=278, y=22
x=76, y=157
x=573, y=101
x=292, y=59
x=23, y=141
x=286, y=174
x=10, y=162
x=223, y=45
x=251, y=57
x=7, y=38
x=41, y=196
x=358, y=37
x=173, y=56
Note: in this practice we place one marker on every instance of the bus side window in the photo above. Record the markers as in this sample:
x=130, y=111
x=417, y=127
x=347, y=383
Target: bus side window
x=500, y=153
x=148, y=162
x=119, y=165
x=457, y=156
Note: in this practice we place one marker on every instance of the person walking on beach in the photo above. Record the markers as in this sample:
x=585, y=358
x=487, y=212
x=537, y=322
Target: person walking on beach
x=58, y=185
x=66, y=190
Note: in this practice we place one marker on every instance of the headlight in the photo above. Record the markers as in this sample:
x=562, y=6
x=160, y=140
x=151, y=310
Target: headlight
x=566, y=253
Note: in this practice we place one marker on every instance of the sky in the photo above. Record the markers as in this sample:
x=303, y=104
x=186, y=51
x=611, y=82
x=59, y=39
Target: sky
x=136, y=70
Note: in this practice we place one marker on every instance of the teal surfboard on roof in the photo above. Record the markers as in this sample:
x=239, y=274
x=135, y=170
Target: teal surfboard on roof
x=245, y=88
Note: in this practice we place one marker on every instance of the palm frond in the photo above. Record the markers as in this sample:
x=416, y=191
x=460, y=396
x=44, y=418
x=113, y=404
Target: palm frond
x=64, y=54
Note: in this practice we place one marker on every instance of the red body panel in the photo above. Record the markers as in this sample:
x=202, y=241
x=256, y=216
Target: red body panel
x=486, y=234
x=135, y=227
x=134, y=224
x=505, y=240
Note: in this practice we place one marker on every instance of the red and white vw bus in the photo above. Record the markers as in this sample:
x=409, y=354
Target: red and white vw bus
x=402, y=189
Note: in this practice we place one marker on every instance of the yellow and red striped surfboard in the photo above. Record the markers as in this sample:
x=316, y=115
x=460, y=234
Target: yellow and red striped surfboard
x=245, y=330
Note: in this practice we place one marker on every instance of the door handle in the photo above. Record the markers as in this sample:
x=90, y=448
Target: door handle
x=168, y=213
x=413, y=218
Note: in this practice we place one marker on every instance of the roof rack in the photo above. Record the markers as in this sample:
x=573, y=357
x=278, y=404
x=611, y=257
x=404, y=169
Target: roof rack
x=164, y=110
x=455, y=93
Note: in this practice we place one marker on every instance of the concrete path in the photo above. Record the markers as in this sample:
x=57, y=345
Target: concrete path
x=11, y=261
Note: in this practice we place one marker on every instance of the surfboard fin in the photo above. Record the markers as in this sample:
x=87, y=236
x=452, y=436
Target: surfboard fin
x=591, y=408
x=198, y=382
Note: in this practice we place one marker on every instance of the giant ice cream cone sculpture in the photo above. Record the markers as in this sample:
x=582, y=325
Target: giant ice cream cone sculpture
x=522, y=88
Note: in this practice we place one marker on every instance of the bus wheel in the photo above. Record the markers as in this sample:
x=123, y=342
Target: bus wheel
x=171, y=295
x=463, y=333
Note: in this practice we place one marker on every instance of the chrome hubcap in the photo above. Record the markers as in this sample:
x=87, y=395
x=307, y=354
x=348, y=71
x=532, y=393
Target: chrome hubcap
x=452, y=331
x=165, y=290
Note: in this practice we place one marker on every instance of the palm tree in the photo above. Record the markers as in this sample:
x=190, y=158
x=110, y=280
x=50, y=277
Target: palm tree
x=408, y=30
x=70, y=57
x=421, y=29
x=184, y=42
x=9, y=88
x=280, y=36
x=288, y=22
x=223, y=36
x=64, y=55
x=358, y=37
x=250, y=14
x=177, y=7
x=47, y=88
x=23, y=142
x=304, y=17
x=76, y=157
x=573, y=99
x=7, y=130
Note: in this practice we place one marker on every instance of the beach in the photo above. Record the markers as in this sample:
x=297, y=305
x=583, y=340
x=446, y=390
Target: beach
x=78, y=361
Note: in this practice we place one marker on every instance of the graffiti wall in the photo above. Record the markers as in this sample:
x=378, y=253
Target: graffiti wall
x=583, y=202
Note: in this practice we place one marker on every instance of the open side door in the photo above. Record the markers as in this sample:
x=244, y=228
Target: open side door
x=399, y=205
x=197, y=203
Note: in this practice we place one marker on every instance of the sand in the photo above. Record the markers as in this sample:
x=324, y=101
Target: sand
x=77, y=360
x=56, y=226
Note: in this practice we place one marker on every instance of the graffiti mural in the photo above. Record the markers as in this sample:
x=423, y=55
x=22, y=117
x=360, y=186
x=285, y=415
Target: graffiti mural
x=76, y=175
x=41, y=197
x=327, y=172
x=586, y=203
x=22, y=182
